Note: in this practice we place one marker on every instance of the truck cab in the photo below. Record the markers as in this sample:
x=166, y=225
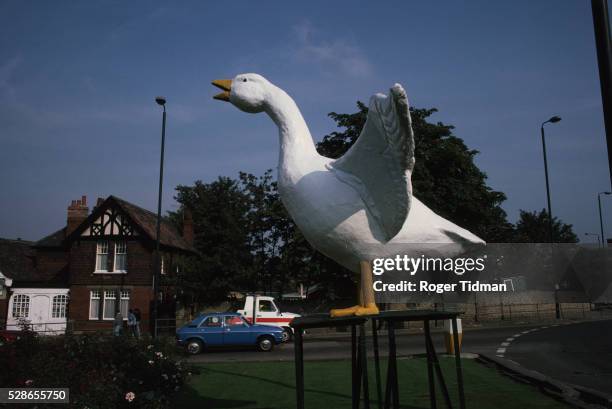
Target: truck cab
x=261, y=309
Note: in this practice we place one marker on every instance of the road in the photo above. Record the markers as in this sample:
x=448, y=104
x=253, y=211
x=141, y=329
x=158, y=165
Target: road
x=578, y=353
x=338, y=346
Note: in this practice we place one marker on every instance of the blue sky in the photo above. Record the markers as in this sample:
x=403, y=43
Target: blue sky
x=78, y=81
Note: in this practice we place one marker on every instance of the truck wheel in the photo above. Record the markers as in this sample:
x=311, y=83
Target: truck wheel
x=287, y=334
x=194, y=346
x=265, y=344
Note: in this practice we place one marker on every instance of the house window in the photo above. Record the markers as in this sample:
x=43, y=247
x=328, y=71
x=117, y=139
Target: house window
x=94, y=305
x=21, y=306
x=102, y=256
x=125, y=303
x=59, y=306
x=121, y=256
x=162, y=269
x=110, y=297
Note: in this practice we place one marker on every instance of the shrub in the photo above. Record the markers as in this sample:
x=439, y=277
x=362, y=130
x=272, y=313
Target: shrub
x=101, y=371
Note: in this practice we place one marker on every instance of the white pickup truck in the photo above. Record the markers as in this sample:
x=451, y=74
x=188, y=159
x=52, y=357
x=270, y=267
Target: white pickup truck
x=261, y=309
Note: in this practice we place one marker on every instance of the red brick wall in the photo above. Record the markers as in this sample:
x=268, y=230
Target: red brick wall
x=78, y=309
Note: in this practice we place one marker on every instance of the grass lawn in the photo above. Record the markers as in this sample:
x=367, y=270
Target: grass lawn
x=270, y=385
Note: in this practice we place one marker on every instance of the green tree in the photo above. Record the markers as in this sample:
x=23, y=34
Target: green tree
x=533, y=227
x=445, y=176
x=220, y=217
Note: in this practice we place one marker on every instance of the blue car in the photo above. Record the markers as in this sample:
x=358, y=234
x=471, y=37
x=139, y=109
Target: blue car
x=226, y=329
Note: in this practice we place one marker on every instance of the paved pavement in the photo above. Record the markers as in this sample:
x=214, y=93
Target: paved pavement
x=579, y=353
x=338, y=346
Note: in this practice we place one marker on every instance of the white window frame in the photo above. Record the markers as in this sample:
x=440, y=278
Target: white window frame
x=124, y=296
x=91, y=298
x=59, y=304
x=107, y=296
x=121, y=249
x=21, y=302
x=101, y=245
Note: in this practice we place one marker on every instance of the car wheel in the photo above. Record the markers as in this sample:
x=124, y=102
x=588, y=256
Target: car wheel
x=194, y=346
x=265, y=344
x=287, y=334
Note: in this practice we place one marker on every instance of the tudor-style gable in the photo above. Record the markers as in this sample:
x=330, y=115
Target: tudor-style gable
x=111, y=223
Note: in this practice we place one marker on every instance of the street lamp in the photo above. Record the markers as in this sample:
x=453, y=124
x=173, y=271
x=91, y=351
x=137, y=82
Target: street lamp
x=603, y=237
x=552, y=120
x=161, y=101
x=596, y=235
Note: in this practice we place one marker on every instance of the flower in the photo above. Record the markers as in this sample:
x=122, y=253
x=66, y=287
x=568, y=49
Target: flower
x=151, y=362
x=165, y=376
x=130, y=396
x=149, y=346
x=29, y=382
x=159, y=355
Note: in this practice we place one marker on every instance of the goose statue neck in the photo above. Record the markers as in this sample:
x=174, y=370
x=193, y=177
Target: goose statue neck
x=296, y=144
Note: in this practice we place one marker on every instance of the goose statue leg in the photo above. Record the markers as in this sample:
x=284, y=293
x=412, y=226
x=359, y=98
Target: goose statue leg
x=367, y=303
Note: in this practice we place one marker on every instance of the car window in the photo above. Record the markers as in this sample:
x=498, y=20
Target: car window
x=233, y=321
x=211, y=322
x=266, y=306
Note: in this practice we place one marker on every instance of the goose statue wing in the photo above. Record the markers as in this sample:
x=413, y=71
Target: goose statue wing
x=379, y=165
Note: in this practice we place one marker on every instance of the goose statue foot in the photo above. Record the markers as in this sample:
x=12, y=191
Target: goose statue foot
x=367, y=303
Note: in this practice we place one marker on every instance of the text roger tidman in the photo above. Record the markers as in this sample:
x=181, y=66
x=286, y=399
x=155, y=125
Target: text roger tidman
x=411, y=265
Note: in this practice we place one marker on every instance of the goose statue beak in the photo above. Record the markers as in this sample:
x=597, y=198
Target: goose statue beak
x=226, y=86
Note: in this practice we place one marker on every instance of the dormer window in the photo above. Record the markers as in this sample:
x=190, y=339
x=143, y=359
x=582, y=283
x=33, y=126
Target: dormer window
x=120, y=256
x=102, y=256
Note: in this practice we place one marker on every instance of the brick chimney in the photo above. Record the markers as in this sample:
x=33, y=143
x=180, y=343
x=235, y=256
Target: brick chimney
x=77, y=213
x=188, y=226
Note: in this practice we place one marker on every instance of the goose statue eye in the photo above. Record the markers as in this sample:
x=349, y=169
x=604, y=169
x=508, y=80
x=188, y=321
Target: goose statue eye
x=244, y=80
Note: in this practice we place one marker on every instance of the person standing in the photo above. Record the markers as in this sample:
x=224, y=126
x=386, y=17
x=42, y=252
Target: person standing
x=137, y=326
x=131, y=322
x=118, y=324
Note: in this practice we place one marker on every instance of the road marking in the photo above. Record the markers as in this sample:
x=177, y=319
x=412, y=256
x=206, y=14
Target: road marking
x=517, y=335
x=501, y=350
x=501, y=356
x=505, y=344
x=525, y=332
x=510, y=339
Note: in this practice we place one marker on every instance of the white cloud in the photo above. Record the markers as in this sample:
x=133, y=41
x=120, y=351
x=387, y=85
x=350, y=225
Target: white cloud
x=336, y=54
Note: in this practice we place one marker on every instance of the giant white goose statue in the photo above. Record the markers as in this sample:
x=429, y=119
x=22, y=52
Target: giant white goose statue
x=358, y=207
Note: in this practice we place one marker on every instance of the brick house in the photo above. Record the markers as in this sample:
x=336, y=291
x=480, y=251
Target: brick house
x=98, y=264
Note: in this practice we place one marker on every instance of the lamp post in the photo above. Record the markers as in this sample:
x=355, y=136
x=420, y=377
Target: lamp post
x=596, y=235
x=603, y=237
x=161, y=101
x=552, y=120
